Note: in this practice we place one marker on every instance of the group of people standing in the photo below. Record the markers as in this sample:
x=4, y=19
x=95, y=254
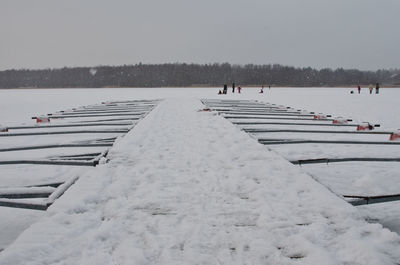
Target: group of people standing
x=262, y=89
x=239, y=89
x=371, y=88
x=225, y=90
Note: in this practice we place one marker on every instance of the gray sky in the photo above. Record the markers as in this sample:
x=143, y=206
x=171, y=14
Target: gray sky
x=362, y=34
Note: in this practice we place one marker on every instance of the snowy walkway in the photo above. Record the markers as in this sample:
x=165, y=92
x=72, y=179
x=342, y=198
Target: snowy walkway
x=188, y=187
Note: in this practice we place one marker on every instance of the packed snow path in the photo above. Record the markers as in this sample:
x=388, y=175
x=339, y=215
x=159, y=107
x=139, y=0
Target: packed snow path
x=188, y=187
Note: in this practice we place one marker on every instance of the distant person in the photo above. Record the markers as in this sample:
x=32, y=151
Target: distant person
x=225, y=91
x=377, y=88
x=269, y=87
x=370, y=89
x=219, y=92
x=359, y=89
x=239, y=89
x=233, y=87
x=262, y=90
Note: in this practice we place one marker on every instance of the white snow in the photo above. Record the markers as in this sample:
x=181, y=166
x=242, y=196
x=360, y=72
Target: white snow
x=189, y=187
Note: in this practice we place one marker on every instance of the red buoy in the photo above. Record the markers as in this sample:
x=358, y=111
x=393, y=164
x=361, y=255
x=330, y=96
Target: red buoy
x=42, y=119
x=320, y=117
x=339, y=121
x=394, y=136
x=365, y=126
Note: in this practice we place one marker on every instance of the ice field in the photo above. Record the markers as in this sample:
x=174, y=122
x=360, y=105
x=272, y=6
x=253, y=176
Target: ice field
x=183, y=186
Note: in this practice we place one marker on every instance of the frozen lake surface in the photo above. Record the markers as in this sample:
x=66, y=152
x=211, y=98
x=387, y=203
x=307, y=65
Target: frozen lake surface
x=19, y=105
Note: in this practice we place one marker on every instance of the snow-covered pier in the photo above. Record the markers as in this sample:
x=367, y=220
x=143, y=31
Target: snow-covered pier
x=189, y=187
x=81, y=150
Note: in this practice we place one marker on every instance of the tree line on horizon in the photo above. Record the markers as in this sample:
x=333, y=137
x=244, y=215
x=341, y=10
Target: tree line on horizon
x=182, y=75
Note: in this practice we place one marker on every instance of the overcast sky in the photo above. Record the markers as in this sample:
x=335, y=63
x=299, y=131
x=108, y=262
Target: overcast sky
x=363, y=34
